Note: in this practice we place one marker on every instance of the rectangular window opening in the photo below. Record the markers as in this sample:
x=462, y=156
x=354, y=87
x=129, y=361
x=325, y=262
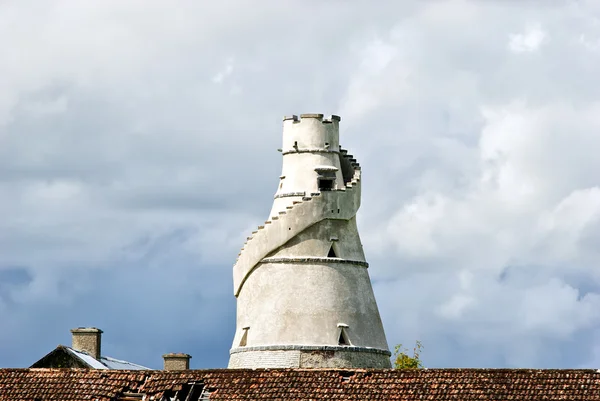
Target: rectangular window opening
x=325, y=184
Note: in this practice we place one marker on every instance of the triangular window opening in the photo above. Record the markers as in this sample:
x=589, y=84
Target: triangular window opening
x=331, y=253
x=244, y=339
x=343, y=340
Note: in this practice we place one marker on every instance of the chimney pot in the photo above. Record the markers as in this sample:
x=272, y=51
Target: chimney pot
x=88, y=340
x=177, y=361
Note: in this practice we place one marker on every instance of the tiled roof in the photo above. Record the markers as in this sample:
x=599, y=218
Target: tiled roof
x=297, y=384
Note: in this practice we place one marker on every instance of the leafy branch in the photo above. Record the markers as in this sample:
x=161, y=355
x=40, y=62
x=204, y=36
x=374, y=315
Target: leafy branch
x=404, y=361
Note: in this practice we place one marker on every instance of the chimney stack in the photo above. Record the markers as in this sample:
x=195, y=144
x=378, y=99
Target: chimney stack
x=87, y=339
x=177, y=361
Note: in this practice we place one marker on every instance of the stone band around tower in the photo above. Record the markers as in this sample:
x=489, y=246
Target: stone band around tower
x=307, y=356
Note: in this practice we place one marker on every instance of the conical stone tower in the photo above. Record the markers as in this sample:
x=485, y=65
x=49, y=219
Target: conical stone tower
x=304, y=297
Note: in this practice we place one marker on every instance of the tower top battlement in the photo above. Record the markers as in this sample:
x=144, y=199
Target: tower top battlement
x=310, y=132
x=318, y=116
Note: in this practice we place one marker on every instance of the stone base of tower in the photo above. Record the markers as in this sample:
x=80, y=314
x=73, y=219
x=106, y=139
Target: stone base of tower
x=298, y=356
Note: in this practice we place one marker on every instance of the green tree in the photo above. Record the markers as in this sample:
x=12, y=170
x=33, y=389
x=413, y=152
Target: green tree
x=404, y=361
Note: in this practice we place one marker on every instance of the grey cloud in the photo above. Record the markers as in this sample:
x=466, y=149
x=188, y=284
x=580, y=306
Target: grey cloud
x=12, y=279
x=129, y=178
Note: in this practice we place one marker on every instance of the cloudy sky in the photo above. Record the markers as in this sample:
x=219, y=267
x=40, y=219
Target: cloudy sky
x=138, y=149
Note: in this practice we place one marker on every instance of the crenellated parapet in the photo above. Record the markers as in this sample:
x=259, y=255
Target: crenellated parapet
x=320, y=117
x=310, y=133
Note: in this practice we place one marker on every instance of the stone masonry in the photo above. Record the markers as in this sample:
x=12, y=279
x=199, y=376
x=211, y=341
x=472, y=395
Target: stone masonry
x=304, y=296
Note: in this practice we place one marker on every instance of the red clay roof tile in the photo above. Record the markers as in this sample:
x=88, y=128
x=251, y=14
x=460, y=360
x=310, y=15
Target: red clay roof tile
x=297, y=384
